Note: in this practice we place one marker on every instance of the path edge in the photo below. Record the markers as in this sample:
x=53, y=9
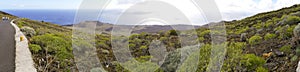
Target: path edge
x=23, y=59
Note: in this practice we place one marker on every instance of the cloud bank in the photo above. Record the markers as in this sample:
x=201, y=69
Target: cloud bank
x=238, y=9
x=230, y=9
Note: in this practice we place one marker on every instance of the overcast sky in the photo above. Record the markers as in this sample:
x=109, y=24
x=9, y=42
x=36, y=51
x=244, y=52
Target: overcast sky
x=230, y=9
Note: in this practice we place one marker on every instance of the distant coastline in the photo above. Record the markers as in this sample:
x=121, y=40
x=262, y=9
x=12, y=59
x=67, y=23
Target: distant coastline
x=60, y=17
x=63, y=17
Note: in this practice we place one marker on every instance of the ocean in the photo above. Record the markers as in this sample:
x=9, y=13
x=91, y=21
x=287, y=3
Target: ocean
x=67, y=17
x=60, y=17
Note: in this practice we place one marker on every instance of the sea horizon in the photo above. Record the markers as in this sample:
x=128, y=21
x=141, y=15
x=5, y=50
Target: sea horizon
x=56, y=16
x=66, y=16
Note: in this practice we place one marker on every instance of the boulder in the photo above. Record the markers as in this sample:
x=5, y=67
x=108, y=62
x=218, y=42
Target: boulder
x=278, y=53
x=277, y=32
x=243, y=37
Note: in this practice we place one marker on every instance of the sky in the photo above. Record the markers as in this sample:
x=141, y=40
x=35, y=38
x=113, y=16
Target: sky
x=230, y=9
x=39, y=4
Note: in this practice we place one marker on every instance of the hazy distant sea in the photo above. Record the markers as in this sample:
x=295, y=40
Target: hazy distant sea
x=61, y=17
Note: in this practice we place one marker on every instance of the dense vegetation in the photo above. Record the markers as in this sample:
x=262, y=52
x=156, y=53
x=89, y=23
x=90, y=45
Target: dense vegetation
x=50, y=45
x=264, y=42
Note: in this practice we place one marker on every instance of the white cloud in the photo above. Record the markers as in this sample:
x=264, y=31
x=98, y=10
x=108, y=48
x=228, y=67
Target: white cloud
x=186, y=6
x=231, y=9
x=285, y=3
x=121, y=4
x=18, y=5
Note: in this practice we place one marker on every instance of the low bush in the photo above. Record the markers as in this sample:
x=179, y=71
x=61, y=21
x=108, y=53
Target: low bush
x=298, y=51
x=28, y=31
x=202, y=34
x=20, y=24
x=251, y=62
x=258, y=26
x=204, y=58
x=201, y=39
x=242, y=30
x=132, y=45
x=233, y=57
x=143, y=47
x=294, y=58
x=55, y=45
x=102, y=45
x=261, y=69
x=35, y=48
x=255, y=40
x=51, y=43
x=269, y=23
x=173, y=32
x=286, y=48
x=269, y=36
x=293, y=20
x=288, y=33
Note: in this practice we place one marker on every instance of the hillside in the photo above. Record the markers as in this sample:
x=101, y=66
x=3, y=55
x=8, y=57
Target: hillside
x=107, y=28
x=263, y=42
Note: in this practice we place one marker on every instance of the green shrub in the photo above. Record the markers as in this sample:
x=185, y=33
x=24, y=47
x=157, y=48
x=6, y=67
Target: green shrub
x=290, y=30
x=143, y=58
x=201, y=39
x=58, y=46
x=242, y=30
x=294, y=58
x=251, y=61
x=278, y=28
x=51, y=43
x=143, y=47
x=20, y=24
x=258, y=26
x=204, y=33
x=293, y=20
x=136, y=41
x=255, y=39
x=261, y=69
x=28, y=31
x=35, y=48
x=205, y=52
x=234, y=55
x=132, y=45
x=285, y=31
x=102, y=45
x=298, y=51
x=269, y=23
x=133, y=36
x=286, y=48
x=173, y=32
x=269, y=36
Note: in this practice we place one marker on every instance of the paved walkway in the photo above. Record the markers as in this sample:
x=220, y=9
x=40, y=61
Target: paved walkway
x=7, y=47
